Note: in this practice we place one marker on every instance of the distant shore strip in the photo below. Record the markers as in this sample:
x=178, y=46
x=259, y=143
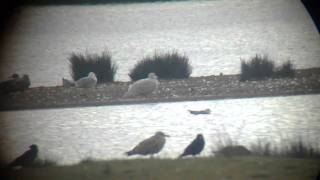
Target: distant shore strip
x=306, y=81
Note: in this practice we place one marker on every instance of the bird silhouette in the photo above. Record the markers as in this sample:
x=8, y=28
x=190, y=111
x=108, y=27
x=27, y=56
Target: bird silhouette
x=14, y=84
x=205, y=111
x=67, y=83
x=27, y=158
x=14, y=76
x=151, y=146
x=195, y=147
x=143, y=86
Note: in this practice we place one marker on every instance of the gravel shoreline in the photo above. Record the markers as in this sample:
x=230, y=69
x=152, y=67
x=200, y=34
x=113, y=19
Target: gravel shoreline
x=306, y=81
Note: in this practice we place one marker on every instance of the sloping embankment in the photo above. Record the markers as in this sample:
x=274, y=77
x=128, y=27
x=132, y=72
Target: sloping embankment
x=239, y=168
x=306, y=81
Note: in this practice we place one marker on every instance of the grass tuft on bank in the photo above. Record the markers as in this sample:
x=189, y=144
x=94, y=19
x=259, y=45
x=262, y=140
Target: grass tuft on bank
x=261, y=67
x=100, y=64
x=170, y=65
x=289, y=149
x=285, y=70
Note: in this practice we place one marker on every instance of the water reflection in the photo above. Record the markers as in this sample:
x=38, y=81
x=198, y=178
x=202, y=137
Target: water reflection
x=69, y=135
x=213, y=34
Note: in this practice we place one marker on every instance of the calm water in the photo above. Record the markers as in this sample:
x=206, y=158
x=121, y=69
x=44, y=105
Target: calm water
x=69, y=135
x=214, y=34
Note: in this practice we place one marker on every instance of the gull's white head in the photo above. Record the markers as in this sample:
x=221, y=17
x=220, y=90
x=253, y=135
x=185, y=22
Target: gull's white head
x=92, y=75
x=152, y=76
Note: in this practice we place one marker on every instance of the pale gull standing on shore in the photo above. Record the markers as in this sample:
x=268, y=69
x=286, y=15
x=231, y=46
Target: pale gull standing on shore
x=152, y=145
x=87, y=82
x=67, y=83
x=143, y=86
x=195, y=147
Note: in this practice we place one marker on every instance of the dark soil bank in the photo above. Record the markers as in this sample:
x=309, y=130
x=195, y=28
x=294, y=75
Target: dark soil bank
x=306, y=81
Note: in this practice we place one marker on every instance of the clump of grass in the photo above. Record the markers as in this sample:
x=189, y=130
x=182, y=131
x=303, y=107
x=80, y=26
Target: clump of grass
x=262, y=149
x=292, y=149
x=257, y=68
x=299, y=149
x=87, y=161
x=285, y=70
x=170, y=65
x=228, y=147
x=261, y=67
x=101, y=65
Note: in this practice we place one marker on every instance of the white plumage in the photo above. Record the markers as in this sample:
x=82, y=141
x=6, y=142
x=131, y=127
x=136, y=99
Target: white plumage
x=143, y=86
x=67, y=83
x=87, y=82
x=152, y=145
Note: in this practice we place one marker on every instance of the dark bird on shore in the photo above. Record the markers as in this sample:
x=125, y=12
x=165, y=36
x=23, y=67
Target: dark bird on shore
x=151, y=146
x=27, y=158
x=14, y=84
x=205, y=111
x=195, y=147
x=14, y=76
x=23, y=83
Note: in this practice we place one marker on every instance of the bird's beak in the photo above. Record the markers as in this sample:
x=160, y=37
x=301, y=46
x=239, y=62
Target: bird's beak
x=166, y=135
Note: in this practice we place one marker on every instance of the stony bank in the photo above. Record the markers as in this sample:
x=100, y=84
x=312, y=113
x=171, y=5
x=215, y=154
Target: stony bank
x=306, y=81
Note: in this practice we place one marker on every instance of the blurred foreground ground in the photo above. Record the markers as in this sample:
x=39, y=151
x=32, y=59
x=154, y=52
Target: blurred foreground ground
x=220, y=168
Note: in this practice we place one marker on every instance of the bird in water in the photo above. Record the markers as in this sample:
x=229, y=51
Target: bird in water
x=87, y=82
x=143, y=86
x=195, y=147
x=205, y=111
x=151, y=146
x=27, y=158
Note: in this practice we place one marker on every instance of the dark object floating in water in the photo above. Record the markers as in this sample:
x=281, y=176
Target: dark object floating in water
x=152, y=145
x=205, y=111
x=234, y=151
x=27, y=158
x=14, y=84
x=195, y=147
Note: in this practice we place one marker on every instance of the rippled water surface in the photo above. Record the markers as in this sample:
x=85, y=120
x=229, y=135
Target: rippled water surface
x=69, y=135
x=213, y=34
